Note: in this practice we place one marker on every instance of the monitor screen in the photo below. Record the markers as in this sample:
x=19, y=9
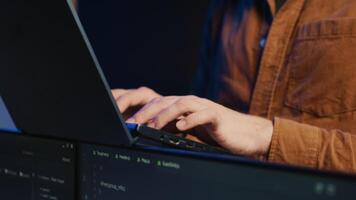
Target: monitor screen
x=36, y=169
x=41, y=169
x=113, y=173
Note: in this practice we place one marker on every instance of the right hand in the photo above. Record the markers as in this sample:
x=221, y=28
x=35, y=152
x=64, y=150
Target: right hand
x=131, y=98
x=134, y=101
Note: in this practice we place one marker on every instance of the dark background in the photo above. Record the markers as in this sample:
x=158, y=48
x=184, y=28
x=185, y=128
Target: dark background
x=146, y=43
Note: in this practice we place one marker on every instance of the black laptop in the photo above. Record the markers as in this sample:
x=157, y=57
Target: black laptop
x=52, y=84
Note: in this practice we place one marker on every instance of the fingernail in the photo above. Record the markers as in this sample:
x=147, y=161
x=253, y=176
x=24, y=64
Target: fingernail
x=181, y=124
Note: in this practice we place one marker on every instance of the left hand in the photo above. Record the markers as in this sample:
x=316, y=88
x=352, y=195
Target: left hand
x=239, y=133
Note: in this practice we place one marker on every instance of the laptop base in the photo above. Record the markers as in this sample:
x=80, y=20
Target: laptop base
x=150, y=136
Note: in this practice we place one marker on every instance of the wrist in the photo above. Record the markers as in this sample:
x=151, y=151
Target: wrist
x=268, y=137
x=264, y=137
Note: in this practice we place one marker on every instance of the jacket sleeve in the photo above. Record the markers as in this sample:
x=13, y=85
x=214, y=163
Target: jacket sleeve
x=309, y=146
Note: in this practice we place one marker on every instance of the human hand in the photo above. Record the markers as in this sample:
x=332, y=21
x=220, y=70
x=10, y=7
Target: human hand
x=129, y=100
x=239, y=133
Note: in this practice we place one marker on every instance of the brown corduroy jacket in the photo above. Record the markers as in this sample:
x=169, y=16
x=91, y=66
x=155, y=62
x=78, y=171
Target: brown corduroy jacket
x=296, y=67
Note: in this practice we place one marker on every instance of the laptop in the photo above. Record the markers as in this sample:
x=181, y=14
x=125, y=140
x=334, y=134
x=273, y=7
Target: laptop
x=52, y=83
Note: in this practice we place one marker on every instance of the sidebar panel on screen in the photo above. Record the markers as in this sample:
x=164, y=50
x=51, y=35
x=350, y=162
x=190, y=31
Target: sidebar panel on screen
x=36, y=169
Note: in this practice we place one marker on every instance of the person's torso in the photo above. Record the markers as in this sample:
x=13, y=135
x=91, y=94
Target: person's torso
x=306, y=68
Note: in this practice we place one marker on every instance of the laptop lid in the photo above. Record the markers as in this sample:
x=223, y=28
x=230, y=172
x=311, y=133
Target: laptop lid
x=50, y=79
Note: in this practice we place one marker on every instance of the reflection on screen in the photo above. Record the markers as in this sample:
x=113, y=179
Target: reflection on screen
x=108, y=173
x=36, y=169
x=6, y=122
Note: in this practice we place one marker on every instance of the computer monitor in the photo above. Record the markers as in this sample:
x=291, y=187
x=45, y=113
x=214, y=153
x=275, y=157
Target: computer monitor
x=114, y=173
x=33, y=168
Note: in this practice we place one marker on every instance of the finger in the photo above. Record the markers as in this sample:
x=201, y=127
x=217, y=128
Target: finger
x=175, y=111
x=203, y=117
x=151, y=109
x=118, y=93
x=135, y=98
x=207, y=102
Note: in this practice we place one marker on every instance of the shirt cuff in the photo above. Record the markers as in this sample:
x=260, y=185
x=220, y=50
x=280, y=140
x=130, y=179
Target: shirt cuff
x=295, y=143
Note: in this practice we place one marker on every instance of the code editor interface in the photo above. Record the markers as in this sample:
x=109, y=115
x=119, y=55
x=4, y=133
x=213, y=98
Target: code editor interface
x=113, y=173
